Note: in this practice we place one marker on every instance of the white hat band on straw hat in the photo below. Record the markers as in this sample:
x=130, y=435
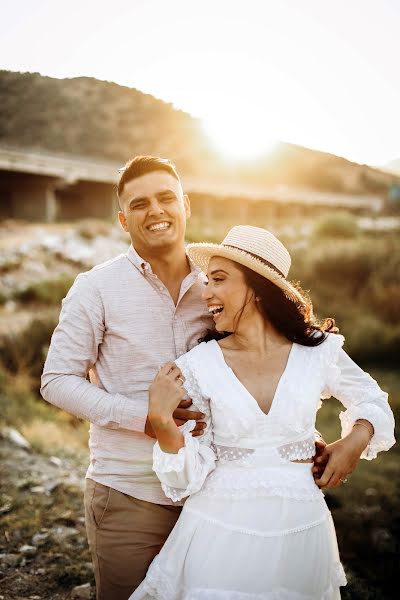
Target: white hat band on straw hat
x=252, y=247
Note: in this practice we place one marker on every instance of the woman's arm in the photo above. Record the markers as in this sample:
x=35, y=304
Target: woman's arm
x=367, y=422
x=180, y=460
x=341, y=457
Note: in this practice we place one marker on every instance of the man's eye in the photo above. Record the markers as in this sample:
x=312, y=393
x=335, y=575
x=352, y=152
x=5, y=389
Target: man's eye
x=217, y=279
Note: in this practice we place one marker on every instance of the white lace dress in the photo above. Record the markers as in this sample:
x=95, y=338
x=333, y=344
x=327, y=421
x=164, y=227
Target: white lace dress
x=255, y=526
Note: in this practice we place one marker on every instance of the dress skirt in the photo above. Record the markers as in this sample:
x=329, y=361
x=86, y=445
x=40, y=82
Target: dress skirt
x=259, y=529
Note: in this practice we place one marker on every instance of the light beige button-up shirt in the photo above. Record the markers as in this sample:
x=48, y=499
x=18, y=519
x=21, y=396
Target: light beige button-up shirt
x=119, y=324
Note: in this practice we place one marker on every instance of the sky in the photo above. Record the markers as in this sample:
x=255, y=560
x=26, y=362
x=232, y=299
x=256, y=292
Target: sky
x=320, y=73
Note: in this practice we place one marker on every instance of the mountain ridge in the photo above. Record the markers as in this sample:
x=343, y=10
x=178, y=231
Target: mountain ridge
x=101, y=119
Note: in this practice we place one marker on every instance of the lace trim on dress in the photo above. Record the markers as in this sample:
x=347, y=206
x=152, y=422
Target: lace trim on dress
x=159, y=586
x=194, y=392
x=329, y=357
x=379, y=419
x=228, y=453
x=254, y=483
x=298, y=450
x=164, y=462
x=201, y=457
x=256, y=532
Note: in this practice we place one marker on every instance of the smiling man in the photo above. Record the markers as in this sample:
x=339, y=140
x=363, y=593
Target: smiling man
x=119, y=323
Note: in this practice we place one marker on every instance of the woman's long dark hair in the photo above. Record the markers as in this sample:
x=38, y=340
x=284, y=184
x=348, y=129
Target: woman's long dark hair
x=294, y=320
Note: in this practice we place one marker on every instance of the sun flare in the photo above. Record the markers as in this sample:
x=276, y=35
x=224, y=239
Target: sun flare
x=240, y=138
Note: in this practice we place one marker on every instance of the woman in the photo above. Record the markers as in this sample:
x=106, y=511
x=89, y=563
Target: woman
x=255, y=525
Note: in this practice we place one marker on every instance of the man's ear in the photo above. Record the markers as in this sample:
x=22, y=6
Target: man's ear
x=122, y=220
x=186, y=204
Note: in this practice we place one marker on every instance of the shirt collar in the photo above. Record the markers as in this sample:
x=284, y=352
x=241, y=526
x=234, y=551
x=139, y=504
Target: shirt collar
x=145, y=267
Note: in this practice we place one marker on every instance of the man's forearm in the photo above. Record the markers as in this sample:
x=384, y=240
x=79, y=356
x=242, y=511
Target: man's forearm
x=85, y=400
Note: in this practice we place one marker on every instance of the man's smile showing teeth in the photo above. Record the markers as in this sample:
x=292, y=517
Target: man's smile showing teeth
x=215, y=309
x=159, y=226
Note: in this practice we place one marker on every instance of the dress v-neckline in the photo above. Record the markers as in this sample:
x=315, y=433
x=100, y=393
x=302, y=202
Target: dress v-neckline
x=232, y=373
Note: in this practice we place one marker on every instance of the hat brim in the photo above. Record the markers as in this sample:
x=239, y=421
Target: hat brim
x=201, y=254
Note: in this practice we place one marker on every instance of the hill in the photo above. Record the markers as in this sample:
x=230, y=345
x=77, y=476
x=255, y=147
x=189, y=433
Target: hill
x=100, y=119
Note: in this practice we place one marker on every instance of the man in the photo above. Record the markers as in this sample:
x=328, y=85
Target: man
x=119, y=323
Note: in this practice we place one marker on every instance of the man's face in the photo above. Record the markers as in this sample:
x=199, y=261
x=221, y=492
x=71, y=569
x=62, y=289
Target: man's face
x=154, y=212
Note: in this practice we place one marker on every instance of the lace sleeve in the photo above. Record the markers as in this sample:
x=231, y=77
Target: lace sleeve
x=363, y=399
x=184, y=473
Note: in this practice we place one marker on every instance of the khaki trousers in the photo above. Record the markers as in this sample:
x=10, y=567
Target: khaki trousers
x=124, y=534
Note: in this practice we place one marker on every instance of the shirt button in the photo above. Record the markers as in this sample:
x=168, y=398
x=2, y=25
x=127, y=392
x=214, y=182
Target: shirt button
x=161, y=288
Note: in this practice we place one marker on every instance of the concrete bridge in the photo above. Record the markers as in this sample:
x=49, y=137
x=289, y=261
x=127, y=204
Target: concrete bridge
x=44, y=186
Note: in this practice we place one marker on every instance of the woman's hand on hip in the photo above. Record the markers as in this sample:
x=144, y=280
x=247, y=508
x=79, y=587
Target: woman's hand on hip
x=342, y=457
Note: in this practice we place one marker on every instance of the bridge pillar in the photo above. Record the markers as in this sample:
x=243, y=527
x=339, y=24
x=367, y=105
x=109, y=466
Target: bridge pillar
x=51, y=204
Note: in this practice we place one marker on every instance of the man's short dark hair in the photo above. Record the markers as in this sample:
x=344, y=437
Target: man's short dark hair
x=141, y=165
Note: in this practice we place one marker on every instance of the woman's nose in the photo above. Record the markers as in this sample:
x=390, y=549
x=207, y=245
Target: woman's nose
x=206, y=293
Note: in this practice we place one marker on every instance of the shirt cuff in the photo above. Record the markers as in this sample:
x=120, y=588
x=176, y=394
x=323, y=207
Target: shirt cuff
x=133, y=416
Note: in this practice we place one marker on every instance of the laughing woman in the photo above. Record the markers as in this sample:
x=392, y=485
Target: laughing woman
x=255, y=526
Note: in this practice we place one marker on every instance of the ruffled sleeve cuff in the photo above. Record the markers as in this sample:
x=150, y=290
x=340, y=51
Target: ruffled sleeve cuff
x=183, y=473
x=383, y=424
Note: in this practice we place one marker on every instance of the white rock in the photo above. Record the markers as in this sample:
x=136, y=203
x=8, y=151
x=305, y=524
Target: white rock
x=14, y=436
x=56, y=461
x=38, y=489
x=61, y=533
x=40, y=538
x=81, y=591
x=28, y=550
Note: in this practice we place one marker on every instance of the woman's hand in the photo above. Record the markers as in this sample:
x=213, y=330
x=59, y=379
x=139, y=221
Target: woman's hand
x=165, y=393
x=343, y=456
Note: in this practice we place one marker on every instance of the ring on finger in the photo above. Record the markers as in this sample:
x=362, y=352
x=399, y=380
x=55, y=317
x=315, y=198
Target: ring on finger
x=344, y=480
x=180, y=379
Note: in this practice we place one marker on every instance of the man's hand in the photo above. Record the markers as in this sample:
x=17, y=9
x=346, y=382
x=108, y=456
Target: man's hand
x=181, y=414
x=320, y=459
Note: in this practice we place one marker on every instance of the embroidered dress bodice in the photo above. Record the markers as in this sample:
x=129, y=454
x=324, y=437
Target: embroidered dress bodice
x=240, y=433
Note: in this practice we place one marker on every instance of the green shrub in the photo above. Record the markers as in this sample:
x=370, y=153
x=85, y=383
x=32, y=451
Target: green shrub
x=48, y=291
x=337, y=225
x=385, y=300
x=18, y=404
x=343, y=269
x=25, y=352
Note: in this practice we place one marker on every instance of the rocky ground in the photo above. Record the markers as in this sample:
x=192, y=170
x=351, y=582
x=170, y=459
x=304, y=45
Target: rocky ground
x=38, y=263
x=43, y=549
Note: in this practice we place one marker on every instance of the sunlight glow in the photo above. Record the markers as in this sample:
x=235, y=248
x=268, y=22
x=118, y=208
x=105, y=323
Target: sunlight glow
x=302, y=72
x=240, y=137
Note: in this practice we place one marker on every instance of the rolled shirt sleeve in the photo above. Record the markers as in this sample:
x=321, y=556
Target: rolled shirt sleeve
x=73, y=352
x=361, y=396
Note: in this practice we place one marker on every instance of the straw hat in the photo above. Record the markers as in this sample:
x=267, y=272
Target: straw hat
x=255, y=248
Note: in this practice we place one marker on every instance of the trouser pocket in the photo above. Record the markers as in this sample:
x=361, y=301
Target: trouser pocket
x=100, y=502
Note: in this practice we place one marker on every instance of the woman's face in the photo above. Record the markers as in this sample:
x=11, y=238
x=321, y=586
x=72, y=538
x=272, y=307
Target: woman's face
x=227, y=293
